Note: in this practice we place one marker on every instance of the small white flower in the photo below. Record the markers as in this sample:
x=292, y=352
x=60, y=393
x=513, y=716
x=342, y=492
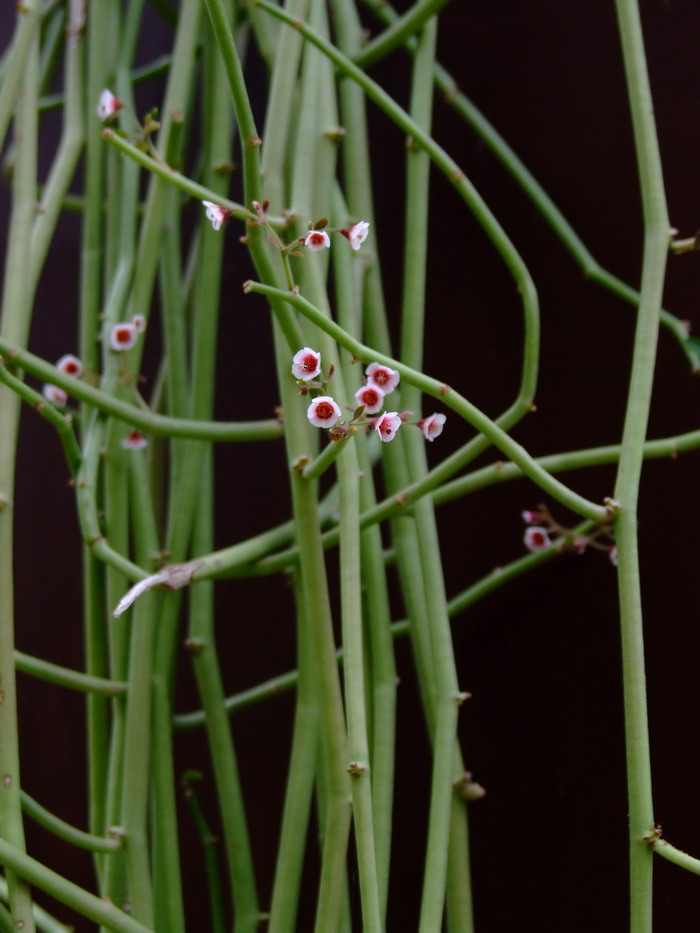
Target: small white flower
x=536, y=538
x=70, y=365
x=108, y=105
x=139, y=322
x=134, y=441
x=432, y=426
x=371, y=397
x=357, y=234
x=216, y=214
x=384, y=377
x=612, y=554
x=387, y=425
x=123, y=336
x=306, y=364
x=323, y=412
x=55, y=395
x=317, y=239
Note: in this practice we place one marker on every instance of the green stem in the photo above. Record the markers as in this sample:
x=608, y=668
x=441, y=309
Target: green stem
x=405, y=26
x=657, y=226
x=149, y=422
x=677, y=856
x=70, y=834
x=88, y=905
x=354, y=678
x=63, y=677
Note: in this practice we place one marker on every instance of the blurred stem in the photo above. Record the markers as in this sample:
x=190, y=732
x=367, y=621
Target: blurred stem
x=15, y=321
x=354, y=678
x=70, y=834
x=99, y=909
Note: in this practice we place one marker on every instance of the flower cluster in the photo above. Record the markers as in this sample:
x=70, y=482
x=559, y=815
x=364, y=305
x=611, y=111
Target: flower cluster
x=543, y=533
x=380, y=380
x=71, y=366
x=317, y=238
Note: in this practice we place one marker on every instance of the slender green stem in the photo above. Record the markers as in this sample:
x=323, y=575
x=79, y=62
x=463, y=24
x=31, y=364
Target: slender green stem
x=407, y=25
x=60, y=421
x=27, y=25
x=43, y=920
x=354, y=678
x=63, y=677
x=96, y=908
x=677, y=856
x=14, y=324
x=149, y=422
x=65, y=831
x=631, y=457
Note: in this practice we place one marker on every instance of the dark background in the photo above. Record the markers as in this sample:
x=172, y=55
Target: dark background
x=544, y=730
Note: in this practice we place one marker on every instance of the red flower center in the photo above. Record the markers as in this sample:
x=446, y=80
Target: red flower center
x=316, y=238
x=70, y=368
x=370, y=397
x=381, y=377
x=308, y=364
x=324, y=410
x=122, y=335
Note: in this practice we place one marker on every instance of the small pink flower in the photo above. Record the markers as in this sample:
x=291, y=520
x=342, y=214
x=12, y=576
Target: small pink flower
x=55, y=395
x=528, y=516
x=387, y=425
x=323, y=412
x=306, y=364
x=371, y=397
x=357, y=234
x=70, y=365
x=134, y=441
x=612, y=554
x=317, y=239
x=216, y=214
x=432, y=426
x=536, y=538
x=384, y=377
x=108, y=105
x=139, y=322
x=123, y=336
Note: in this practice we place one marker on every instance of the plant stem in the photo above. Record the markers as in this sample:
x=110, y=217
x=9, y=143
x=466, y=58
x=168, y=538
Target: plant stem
x=656, y=226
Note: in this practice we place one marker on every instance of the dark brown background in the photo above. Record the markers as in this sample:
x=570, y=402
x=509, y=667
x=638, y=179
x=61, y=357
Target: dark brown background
x=543, y=732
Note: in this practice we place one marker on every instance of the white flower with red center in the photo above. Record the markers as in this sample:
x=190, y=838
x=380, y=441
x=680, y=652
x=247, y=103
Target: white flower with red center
x=324, y=412
x=108, y=105
x=139, y=322
x=432, y=426
x=306, y=364
x=123, y=336
x=55, y=395
x=387, y=425
x=317, y=239
x=70, y=365
x=383, y=377
x=216, y=214
x=134, y=441
x=357, y=234
x=536, y=538
x=371, y=397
